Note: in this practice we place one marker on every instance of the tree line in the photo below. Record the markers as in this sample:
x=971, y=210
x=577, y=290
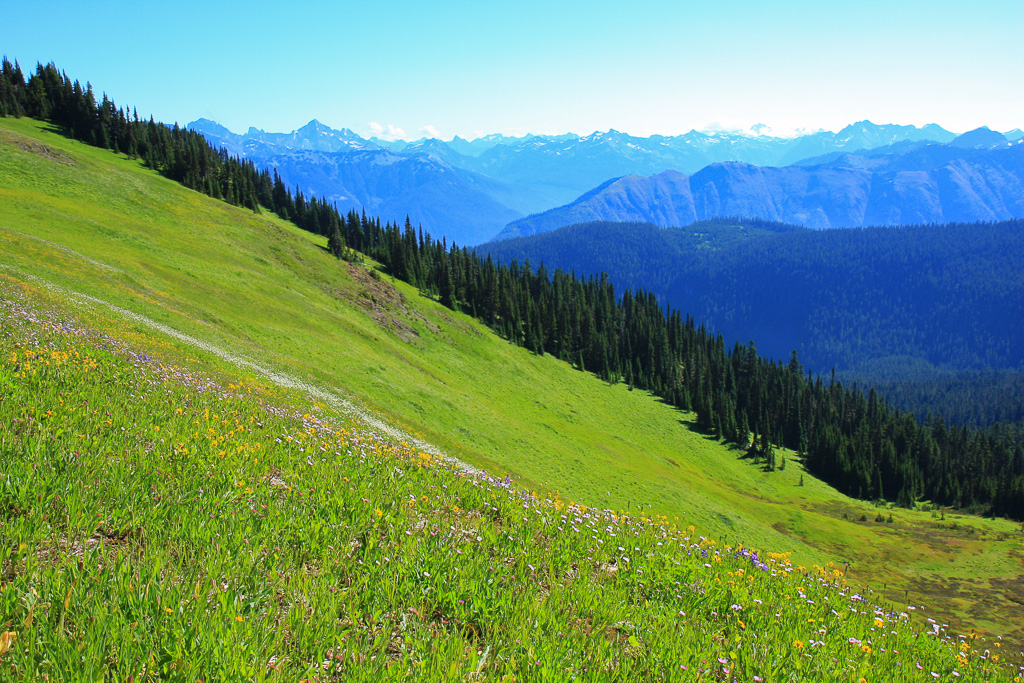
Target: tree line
x=179, y=154
x=929, y=315
x=851, y=439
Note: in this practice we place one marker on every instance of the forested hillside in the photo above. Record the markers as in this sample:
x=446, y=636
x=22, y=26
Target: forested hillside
x=929, y=315
x=970, y=398
x=856, y=442
x=906, y=300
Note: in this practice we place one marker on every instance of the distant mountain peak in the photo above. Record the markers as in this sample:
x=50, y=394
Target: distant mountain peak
x=209, y=127
x=982, y=137
x=864, y=124
x=316, y=126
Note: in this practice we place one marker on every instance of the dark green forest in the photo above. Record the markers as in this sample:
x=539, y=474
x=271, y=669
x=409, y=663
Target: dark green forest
x=907, y=310
x=849, y=437
x=972, y=398
x=951, y=295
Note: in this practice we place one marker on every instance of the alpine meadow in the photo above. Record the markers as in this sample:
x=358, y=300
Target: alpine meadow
x=248, y=435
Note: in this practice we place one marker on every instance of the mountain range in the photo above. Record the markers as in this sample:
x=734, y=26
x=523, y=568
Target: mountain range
x=469, y=191
x=978, y=176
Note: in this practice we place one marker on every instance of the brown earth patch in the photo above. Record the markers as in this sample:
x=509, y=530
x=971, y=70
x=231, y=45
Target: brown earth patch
x=387, y=306
x=35, y=147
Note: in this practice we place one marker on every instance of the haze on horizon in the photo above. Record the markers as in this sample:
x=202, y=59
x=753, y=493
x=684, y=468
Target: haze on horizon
x=401, y=69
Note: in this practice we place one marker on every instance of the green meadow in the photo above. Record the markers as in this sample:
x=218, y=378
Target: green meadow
x=255, y=301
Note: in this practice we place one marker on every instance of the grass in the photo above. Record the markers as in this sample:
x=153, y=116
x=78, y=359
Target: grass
x=162, y=522
x=84, y=221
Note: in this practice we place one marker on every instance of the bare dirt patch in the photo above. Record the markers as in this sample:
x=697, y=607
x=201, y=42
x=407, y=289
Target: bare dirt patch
x=387, y=306
x=35, y=147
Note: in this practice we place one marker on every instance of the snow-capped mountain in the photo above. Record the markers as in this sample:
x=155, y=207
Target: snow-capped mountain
x=507, y=177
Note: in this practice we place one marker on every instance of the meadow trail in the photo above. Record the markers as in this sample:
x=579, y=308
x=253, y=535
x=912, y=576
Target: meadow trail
x=332, y=398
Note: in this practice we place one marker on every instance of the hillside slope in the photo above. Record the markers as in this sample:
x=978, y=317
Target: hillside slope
x=254, y=287
x=317, y=550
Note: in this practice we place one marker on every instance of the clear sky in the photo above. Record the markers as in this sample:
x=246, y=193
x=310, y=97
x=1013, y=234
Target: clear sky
x=411, y=67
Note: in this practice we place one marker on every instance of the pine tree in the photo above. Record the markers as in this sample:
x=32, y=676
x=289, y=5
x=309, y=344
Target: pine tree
x=336, y=243
x=446, y=287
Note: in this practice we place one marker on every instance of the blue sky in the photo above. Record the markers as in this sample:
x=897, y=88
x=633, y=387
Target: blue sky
x=469, y=68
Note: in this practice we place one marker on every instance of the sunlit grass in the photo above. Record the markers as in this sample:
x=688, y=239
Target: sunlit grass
x=163, y=522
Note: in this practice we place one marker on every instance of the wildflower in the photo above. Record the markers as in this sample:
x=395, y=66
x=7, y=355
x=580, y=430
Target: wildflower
x=7, y=639
x=798, y=644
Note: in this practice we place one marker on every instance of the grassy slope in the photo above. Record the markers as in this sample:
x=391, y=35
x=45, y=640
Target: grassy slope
x=209, y=529
x=94, y=223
